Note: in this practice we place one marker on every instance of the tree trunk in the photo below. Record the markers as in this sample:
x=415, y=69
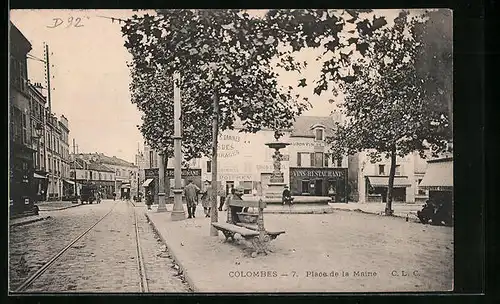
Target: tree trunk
x=215, y=134
x=392, y=173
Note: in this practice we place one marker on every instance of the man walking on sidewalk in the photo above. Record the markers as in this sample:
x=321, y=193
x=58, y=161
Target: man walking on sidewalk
x=191, y=193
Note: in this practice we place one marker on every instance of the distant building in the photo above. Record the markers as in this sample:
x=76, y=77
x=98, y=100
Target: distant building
x=370, y=181
x=89, y=172
x=150, y=171
x=126, y=173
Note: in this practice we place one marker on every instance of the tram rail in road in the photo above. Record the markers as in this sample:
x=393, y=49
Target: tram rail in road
x=140, y=260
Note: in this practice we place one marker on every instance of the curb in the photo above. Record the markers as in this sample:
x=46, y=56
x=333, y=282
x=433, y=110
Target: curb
x=372, y=213
x=319, y=211
x=63, y=208
x=174, y=256
x=29, y=222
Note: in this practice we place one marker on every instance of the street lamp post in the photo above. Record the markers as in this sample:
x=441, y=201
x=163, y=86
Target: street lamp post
x=177, y=210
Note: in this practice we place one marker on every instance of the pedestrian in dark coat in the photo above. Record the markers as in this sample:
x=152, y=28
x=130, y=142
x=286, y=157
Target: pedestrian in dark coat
x=206, y=198
x=191, y=192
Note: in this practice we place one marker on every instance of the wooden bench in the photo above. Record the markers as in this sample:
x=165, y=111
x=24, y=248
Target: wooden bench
x=254, y=232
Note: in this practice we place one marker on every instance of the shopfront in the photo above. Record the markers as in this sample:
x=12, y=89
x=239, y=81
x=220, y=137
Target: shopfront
x=438, y=179
x=152, y=181
x=330, y=182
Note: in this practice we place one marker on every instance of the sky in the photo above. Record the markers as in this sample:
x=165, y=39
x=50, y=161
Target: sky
x=90, y=77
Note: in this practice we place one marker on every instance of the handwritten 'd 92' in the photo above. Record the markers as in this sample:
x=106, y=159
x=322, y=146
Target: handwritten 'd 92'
x=70, y=22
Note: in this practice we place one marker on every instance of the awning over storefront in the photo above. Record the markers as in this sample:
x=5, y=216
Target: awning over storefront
x=68, y=181
x=36, y=175
x=125, y=186
x=383, y=181
x=438, y=176
x=147, y=182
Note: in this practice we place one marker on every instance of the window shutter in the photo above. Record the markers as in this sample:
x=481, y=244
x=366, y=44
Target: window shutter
x=299, y=160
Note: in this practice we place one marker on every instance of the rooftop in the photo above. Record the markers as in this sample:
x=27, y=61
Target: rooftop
x=106, y=160
x=303, y=125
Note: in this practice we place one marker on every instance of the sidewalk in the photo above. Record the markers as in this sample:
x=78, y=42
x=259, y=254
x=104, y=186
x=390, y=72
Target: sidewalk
x=56, y=205
x=27, y=220
x=376, y=252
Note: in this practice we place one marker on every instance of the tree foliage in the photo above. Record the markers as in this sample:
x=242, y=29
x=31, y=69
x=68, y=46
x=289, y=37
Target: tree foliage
x=152, y=91
x=386, y=109
x=435, y=60
x=222, y=52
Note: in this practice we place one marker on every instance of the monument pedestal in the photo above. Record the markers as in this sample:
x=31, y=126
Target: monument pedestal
x=177, y=213
x=162, y=207
x=274, y=190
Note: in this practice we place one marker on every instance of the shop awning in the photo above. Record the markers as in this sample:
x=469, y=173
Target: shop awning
x=438, y=176
x=383, y=181
x=36, y=175
x=147, y=182
x=125, y=186
x=69, y=182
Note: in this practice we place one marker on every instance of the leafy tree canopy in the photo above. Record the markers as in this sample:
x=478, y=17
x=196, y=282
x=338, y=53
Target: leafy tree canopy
x=222, y=53
x=385, y=104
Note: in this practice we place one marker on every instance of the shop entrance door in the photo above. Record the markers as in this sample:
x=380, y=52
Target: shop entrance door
x=318, y=187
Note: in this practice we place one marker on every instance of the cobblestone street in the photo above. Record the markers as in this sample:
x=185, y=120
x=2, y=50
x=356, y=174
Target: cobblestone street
x=104, y=260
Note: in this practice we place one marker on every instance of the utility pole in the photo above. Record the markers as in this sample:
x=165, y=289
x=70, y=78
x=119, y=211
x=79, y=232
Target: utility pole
x=47, y=67
x=177, y=211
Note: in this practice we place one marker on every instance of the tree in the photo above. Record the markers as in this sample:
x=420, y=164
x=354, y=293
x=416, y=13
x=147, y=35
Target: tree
x=435, y=60
x=151, y=90
x=385, y=105
x=224, y=59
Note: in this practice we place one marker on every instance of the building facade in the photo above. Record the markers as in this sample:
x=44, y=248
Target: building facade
x=150, y=161
x=38, y=126
x=22, y=190
x=126, y=173
x=65, y=166
x=88, y=172
x=245, y=160
x=371, y=179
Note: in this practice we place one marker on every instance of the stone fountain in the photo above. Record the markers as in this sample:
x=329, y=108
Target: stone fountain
x=277, y=181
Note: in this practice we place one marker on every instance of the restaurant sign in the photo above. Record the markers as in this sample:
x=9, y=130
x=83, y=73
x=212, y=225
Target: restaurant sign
x=318, y=172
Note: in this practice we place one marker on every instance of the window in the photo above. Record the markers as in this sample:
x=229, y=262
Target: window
x=312, y=159
x=150, y=159
x=209, y=166
x=90, y=175
x=26, y=137
x=247, y=187
x=327, y=157
x=398, y=170
x=381, y=169
x=420, y=190
x=305, y=186
x=86, y=174
x=339, y=162
x=318, y=159
x=100, y=176
x=117, y=172
x=299, y=159
x=319, y=133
